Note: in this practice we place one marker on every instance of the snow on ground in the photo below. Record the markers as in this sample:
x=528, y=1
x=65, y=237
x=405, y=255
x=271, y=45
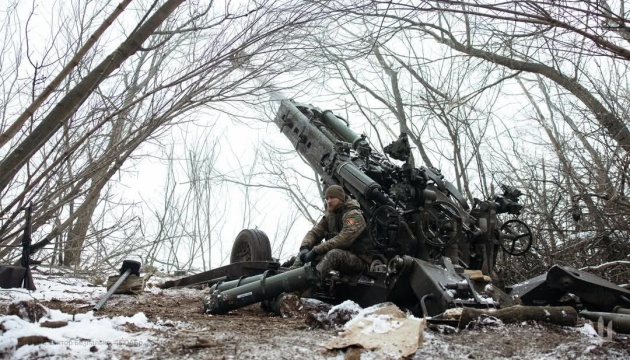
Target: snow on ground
x=85, y=334
x=377, y=323
x=170, y=324
x=49, y=288
x=346, y=306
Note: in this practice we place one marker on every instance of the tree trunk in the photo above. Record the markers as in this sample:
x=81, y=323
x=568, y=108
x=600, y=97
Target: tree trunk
x=76, y=59
x=78, y=231
x=12, y=164
x=76, y=235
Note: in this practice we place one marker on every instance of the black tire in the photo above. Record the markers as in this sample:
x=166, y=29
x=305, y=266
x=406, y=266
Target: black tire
x=251, y=245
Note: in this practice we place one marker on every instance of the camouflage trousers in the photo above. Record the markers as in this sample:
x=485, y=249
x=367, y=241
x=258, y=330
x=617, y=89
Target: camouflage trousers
x=336, y=259
x=343, y=261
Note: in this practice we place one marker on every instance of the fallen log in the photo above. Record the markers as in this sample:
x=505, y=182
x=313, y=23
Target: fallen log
x=559, y=315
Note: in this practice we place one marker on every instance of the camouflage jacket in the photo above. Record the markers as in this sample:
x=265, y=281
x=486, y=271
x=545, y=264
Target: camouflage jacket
x=345, y=229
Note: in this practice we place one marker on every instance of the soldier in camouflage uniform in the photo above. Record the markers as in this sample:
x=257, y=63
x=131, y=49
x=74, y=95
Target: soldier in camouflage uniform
x=347, y=248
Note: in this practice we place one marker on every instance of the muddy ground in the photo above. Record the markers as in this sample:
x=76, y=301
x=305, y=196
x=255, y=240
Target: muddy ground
x=252, y=333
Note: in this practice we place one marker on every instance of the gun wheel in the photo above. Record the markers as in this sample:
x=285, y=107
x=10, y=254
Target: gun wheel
x=384, y=227
x=250, y=245
x=516, y=237
x=441, y=224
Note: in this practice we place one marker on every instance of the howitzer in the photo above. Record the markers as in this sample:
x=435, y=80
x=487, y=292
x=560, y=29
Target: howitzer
x=415, y=217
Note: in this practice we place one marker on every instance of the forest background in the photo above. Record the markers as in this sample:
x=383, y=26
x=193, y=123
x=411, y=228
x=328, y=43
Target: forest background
x=143, y=128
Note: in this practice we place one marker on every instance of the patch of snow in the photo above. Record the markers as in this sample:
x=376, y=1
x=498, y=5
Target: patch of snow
x=85, y=336
x=377, y=323
x=314, y=302
x=489, y=321
x=589, y=330
x=348, y=306
x=55, y=288
x=381, y=324
x=590, y=348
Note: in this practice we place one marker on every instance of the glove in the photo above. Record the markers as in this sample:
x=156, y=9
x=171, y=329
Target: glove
x=302, y=254
x=310, y=256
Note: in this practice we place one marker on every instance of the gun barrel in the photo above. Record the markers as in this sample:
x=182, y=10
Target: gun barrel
x=321, y=154
x=307, y=139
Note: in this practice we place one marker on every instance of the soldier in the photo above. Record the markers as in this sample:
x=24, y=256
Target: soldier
x=347, y=247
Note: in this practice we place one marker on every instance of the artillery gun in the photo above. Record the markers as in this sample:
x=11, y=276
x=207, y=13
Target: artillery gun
x=416, y=219
x=423, y=230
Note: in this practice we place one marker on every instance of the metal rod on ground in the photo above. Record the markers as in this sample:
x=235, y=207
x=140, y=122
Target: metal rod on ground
x=128, y=267
x=620, y=322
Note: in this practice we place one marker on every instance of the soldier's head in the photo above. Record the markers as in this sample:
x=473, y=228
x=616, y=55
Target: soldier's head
x=335, y=197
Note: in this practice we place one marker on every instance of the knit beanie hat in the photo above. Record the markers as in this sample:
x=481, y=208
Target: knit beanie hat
x=336, y=191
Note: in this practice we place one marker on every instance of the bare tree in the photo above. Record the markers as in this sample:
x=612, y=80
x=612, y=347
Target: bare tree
x=19, y=122
x=14, y=161
x=184, y=67
x=527, y=93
